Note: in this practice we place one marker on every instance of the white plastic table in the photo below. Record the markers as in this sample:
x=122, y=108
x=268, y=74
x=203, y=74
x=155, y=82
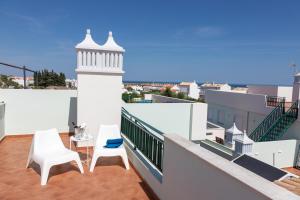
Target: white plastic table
x=82, y=139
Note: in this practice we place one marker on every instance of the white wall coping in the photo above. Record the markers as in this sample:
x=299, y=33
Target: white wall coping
x=100, y=70
x=175, y=99
x=245, y=176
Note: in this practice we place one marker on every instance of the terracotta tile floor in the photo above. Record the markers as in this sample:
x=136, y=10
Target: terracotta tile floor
x=292, y=170
x=291, y=184
x=109, y=180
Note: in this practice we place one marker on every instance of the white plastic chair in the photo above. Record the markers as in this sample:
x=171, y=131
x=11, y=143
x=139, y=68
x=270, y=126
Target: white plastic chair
x=47, y=149
x=108, y=132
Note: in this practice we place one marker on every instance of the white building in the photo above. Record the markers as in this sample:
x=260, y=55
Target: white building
x=240, y=89
x=248, y=110
x=175, y=88
x=213, y=86
x=124, y=90
x=136, y=87
x=272, y=90
x=71, y=83
x=148, y=88
x=20, y=80
x=190, y=89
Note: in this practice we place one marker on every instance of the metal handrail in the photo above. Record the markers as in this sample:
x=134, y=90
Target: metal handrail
x=24, y=68
x=276, y=113
x=141, y=122
x=290, y=110
x=144, y=137
x=143, y=127
x=274, y=100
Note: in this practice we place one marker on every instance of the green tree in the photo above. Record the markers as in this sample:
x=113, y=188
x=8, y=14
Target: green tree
x=129, y=89
x=128, y=97
x=181, y=95
x=168, y=92
x=7, y=82
x=125, y=97
x=45, y=78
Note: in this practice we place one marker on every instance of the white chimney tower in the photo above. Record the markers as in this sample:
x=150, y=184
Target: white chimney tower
x=99, y=75
x=296, y=87
x=243, y=145
x=232, y=134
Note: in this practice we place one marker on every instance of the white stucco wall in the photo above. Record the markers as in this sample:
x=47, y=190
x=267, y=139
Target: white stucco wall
x=198, y=123
x=248, y=102
x=280, y=153
x=272, y=90
x=30, y=110
x=285, y=91
x=214, y=130
x=185, y=119
x=99, y=99
x=244, y=120
x=225, y=87
x=194, y=91
x=246, y=110
x=163, y=99
x=294, y=131
x=192, y=172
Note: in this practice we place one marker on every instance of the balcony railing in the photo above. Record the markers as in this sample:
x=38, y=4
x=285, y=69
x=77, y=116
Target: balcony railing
x=265, y=125
x=274, y=101
x=277, y=130
x=147, y=139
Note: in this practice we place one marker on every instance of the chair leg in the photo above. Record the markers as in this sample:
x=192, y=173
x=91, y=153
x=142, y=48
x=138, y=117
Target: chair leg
x=29, y=159
x=79, y=164
x=44, y=174
x=93, y=163
x=125, y=160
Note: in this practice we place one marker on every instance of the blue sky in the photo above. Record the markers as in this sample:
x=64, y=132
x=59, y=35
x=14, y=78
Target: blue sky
x=249, y=41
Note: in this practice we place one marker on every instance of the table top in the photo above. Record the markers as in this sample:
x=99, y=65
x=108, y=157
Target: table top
x=80, y=139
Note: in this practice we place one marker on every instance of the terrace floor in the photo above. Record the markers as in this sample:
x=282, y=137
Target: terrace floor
x=291, y=184
x=109, y=180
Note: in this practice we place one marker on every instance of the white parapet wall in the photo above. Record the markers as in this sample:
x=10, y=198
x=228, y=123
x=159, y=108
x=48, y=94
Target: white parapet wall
x=282, y=153
x=214, y=130
x=272, y=90
x=163, y=99
x=185, y=119
x=29, y=110
x=192, y=172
